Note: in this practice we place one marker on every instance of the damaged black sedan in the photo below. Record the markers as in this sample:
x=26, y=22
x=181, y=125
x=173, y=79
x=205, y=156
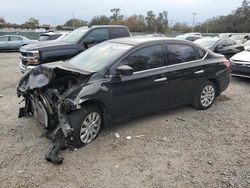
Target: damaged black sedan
x=119, y=79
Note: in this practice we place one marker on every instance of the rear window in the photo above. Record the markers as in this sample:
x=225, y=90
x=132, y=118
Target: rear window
x=43, y=38
x=118, y=32
x=53, y=37
x=179, y=53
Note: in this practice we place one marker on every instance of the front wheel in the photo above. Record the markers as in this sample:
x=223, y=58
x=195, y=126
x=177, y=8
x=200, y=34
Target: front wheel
x=205, y=96
x=86, y=124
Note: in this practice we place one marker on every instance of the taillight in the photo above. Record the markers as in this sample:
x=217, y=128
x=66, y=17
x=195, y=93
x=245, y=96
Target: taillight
x=226, y=62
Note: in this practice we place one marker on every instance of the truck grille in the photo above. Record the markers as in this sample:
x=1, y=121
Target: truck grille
x=24, y=62
x=24, y=54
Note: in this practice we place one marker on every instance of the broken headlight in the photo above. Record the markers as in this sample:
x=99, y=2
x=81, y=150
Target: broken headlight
x=33, y=58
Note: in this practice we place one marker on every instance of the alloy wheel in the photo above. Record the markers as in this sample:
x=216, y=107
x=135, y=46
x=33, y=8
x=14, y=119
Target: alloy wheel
x=90, y=127
x=207, y=95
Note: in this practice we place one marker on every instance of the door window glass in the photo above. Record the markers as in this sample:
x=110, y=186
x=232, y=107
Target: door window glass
x=179, y=53
x=98, y=35
x=3, y=39
x=146, y=58
x=15, y=38
x=118, y=32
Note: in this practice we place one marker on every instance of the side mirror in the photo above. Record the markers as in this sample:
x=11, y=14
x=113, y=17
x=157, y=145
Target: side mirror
x=125, y=70
x=88, y=41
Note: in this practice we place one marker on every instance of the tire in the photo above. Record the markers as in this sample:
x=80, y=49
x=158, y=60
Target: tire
x=83, y=133
x=206, y=96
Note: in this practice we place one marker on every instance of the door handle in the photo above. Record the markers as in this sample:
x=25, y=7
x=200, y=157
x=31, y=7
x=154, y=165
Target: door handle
x=199, y=72
x=161, y=79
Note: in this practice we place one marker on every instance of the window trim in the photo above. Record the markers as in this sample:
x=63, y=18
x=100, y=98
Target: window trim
x=193, y=47
x=164, y=44
x=8, y=38
x=118, y=63
x=175, y=65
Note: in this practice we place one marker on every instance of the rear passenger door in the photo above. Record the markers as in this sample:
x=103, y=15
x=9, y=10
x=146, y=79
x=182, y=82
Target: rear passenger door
x=185, y=72
x=15, y=42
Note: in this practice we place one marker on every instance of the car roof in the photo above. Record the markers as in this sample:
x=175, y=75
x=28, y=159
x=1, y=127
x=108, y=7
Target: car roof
x=134, y=41
x=50, y=33
x=96, y=26
x=11, y=36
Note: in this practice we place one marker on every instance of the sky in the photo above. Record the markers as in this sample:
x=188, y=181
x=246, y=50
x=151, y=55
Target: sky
x=57, y=12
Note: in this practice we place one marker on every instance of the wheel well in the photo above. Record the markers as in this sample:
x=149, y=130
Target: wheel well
x=101, y=106
x=217, y=85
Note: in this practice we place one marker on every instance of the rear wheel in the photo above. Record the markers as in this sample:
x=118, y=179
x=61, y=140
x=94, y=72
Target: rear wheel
x=86, y=124
x=205, y=96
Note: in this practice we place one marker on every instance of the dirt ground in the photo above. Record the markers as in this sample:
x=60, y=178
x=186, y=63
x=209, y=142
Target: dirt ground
x=175, y=148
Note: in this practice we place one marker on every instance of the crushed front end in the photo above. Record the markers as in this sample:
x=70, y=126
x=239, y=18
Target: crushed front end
x=49, y=94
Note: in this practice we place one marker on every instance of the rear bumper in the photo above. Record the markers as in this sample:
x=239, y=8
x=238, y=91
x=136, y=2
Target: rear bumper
x=224, y=81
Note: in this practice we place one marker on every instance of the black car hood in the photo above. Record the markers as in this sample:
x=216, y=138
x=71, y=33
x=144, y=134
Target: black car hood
x=42, y=75
x=48, y=45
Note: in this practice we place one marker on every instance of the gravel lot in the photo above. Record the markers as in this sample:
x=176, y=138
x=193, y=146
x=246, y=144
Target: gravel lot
x=175, y=148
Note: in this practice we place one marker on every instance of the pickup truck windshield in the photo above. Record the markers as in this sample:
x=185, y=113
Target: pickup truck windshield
x=99, y=56
x=75, y=35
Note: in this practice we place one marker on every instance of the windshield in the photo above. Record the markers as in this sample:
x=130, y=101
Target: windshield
x=237, y=37
x=207, y=42
x=43, y=38
x=183, y=37
x=75, y=35
x=99, y=56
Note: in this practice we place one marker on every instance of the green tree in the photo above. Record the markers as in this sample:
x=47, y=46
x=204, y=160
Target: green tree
x=181, y=27
x=2, y=21
x=237, y=21
x=100, y=20
x=75, y=23
x=32, y=23
x=151, y=21
x=116, y=16
x=162, y=22
x=136, y=23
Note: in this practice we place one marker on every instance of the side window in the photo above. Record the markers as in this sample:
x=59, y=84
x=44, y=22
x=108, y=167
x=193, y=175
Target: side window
x=98, y=35
x=146, y=58
x=179, y=53
x=190, y=38
x=14, y=38
x=117, y=32
x=201, y=53
x=4, y=39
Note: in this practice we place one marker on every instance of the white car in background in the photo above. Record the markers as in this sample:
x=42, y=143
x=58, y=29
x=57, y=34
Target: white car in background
x=247, y=45
x=240, y=64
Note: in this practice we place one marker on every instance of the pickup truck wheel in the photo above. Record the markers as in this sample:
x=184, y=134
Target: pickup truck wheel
x=205, y=96
x=86, y=124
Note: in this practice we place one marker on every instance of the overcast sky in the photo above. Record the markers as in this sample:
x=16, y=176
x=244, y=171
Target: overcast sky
x=56, y=12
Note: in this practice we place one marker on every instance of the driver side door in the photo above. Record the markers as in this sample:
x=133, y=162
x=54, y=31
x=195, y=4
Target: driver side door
x=146, y=89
